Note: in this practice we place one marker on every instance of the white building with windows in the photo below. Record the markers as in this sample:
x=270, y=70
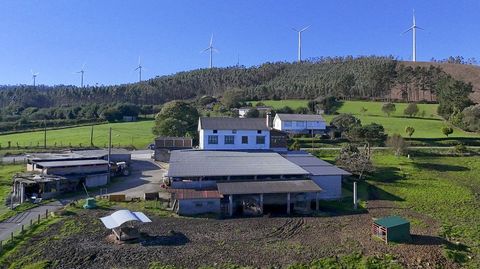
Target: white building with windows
x=222, y=133
x=300, y=123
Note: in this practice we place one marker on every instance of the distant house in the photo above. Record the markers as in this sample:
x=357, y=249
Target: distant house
x=242, y=112
x=300, y=123
x=222, y=133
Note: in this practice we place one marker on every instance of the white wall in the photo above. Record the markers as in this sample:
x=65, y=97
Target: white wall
x=331, y=186
x=252, y=139
x=298, y=125
x=198, y=206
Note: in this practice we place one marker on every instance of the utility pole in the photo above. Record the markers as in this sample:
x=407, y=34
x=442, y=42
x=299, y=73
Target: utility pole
x=109, y=151
x=91, y=137
x=45, y=133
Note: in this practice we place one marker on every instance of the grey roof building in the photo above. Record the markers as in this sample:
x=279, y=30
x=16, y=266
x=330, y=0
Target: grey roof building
x=300, y=117
x=199, y=163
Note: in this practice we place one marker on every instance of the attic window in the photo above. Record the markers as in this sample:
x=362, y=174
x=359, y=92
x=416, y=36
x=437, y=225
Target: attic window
x=215, y=131
x=259, y=131
x=234, y=131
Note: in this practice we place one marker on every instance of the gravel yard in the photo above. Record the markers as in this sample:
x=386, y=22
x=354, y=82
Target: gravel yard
x=257, y=242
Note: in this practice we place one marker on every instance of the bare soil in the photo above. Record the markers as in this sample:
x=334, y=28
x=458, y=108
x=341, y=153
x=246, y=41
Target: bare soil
x=257, y=242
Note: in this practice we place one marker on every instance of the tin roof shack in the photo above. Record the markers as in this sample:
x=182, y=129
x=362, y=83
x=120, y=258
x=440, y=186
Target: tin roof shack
x=91, y=172
x=34, y=187
x=392, y=228
x=194, y=202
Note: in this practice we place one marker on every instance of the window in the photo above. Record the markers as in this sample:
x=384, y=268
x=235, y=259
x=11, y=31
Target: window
x=229, y=139
x=234, y=131
x=260, y=139
x=215, y=131
x=213, y=139
x=259, y=131
x=244, y=139
x=198, y=204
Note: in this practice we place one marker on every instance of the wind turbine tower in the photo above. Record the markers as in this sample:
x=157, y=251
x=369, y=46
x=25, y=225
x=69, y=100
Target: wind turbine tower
x=414, y=28
x=211, y=49
x=34, y=77
x=139, y=68
x=81, y=72
x=300, y=41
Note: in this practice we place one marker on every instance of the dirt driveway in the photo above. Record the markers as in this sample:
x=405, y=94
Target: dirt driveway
x=258, y=242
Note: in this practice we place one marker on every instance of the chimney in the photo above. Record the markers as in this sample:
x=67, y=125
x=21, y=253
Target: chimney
x=268, y=119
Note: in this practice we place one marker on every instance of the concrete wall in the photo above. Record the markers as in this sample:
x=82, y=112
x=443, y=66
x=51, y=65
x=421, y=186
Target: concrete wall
x=198, y=206
x=331, y=186
x=96, y=180
x=85, y=169
x=251, y=134
x=194, y=184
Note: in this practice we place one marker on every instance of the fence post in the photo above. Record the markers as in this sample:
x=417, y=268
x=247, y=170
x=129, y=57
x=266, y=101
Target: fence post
x=1, y=245
x=23, y=228
x=31, y=222
x=11, y=235
x=38, y=218
x=46, y=213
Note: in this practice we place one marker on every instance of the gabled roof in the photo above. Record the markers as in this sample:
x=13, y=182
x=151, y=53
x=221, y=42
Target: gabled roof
x=121, y=216
x=68, y=163
x=224, y=123
x=203, y=163
x=299, y=117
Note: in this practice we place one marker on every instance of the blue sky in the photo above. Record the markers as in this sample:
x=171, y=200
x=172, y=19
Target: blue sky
x=56, y=37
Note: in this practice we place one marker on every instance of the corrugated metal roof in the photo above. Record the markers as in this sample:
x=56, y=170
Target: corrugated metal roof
x=200, y=163
x=257, y=187
x=314, y=165
x=391, y=221
x=300, y=117
x=99, y=153
x=224, y=123
x=71, y=163
x=182, y=194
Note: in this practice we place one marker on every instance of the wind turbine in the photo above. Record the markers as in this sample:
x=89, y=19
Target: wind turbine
x=34, y=77
x=414, y=33
x=300, y=41
x=211, y=49
x=82, y=72
x=139, y=68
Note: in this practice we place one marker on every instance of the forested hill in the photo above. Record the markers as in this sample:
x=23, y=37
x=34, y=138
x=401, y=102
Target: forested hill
x=344, y=77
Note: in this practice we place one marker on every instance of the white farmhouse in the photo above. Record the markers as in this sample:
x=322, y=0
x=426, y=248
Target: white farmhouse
x=222, y=133
x=299, y=123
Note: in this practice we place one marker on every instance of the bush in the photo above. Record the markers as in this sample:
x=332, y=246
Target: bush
x=398, y=144
x=471, y=118
x=447, y=131
x=409, y=130
x=411, y=110
x=388, y=108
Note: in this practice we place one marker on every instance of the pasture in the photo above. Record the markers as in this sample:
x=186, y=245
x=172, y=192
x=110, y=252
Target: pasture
x=138, y=134
x=428, y=125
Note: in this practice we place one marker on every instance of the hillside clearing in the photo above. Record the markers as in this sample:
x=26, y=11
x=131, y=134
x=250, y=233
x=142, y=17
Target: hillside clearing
x=428, y=126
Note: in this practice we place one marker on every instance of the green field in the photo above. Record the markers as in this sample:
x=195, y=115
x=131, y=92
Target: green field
x=139, y=134
x=427, y=127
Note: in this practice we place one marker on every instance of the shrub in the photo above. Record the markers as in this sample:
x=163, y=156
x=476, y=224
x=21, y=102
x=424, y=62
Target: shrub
x=398, y=144
x=411, y=110
x=409, y=130
x=388, y=108
x=447, y=131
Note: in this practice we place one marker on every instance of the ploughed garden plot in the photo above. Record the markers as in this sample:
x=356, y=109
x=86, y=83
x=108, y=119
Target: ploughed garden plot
x=80, y=241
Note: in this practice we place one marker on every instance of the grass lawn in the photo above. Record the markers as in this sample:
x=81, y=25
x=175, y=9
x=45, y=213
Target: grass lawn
x=6, y=173
x=139, y=134
x=428, y=126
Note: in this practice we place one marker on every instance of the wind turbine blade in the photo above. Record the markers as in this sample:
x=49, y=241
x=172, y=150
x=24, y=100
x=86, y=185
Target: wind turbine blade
x=420, y=28
x=139, y=63
x=207, y=49
x=408, y=30
x=211, y=40
x=215, y=50
x=305, y=28
x=83, y=66
x=136, y=68
x=295, y=30
x=31, y=71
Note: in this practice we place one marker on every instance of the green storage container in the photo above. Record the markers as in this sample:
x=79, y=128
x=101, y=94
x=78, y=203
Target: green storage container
x=90, y=203
x=392, y=229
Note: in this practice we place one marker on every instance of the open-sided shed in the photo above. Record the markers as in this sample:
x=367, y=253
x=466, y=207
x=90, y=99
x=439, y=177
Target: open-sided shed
x=392, y=228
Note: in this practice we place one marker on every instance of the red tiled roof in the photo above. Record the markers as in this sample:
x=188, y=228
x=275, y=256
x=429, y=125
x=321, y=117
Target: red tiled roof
x=181, y=194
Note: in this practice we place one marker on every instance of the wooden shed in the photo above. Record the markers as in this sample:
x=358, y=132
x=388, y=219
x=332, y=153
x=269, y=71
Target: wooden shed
x=392, y=229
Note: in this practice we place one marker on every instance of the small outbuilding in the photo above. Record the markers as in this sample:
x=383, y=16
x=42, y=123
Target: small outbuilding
x=392, y=229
